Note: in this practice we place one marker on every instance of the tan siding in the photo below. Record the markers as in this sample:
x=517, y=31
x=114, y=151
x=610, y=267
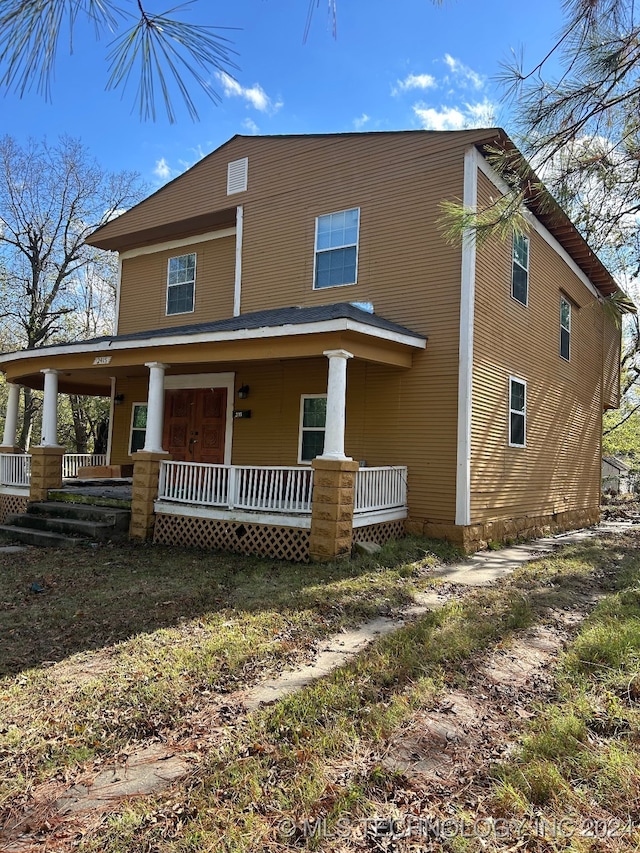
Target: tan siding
x=405, y=269
x=143, y=297
x=611, y=363
x=135, y=391
x=559, y=469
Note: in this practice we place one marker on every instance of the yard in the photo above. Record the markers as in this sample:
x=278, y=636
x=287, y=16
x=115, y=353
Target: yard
x=510, y=708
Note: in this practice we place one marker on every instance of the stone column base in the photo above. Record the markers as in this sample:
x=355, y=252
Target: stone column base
x=146, y=474
x=332, y=509
x=46, y=471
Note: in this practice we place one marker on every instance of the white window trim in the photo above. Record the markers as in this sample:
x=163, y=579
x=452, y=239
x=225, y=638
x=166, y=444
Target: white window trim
x=518, y=411
x=193, y=302
x=563, y=298
x=131, y=427
x=304, y=397
x=524, y=304
x=334, y=248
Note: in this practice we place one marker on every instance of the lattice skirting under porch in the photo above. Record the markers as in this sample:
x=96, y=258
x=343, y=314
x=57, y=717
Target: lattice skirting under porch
x=10, y=505
x=379, y=533
x=264, y=540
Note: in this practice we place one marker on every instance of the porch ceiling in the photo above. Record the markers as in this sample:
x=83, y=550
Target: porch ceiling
x=87, y=367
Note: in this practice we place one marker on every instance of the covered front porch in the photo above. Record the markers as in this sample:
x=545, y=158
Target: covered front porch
x=192, y=412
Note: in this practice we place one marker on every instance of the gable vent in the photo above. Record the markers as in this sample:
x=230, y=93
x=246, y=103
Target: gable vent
x=237, y=176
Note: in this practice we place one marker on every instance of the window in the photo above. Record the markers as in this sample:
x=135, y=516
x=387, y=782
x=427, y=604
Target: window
x=181, y=279
x=517, y=412
x=138, y=427
x=313, y=417
x=336, y=259
x=565, y=328
x=520, y=269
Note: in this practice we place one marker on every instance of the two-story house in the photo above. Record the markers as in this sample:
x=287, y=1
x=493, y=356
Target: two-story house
x=301, y=358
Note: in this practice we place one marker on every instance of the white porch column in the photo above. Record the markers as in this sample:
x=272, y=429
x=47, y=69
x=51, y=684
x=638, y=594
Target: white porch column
x=11, y=419
x=155, y=407
x=50, y=409
x=336, y=404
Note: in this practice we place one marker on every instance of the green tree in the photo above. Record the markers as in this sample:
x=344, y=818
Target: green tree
x=161, y=51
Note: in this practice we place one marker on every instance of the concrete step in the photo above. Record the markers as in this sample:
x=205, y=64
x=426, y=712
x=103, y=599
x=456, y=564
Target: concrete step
x=65, y=526
x=41, y=538
x=114, y=516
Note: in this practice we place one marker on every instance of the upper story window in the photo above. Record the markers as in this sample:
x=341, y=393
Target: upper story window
x=520, y=269
x=336, y=258
x=313, y=417
x=517, y=412
x=565, y=328
x=181, y=281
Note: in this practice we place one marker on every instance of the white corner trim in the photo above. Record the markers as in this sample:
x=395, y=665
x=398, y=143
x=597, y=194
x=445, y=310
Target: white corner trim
x=177, y=244
x=209, y=380
x=540, y=229
x=465, y=360
x=237, y=285
x=112, y=402
x=118, y=289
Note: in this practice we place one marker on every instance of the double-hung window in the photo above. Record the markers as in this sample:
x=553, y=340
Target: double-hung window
x=313, y=418
x=336, y=254
x=517, y=412
x=138, y=427
x=565, y=328
x=520, y=269
x=181, y=281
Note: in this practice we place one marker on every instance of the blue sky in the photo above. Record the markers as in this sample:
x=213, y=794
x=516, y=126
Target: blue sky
x=408, y=65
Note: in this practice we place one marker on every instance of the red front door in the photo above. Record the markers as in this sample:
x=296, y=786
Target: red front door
x=194, y=424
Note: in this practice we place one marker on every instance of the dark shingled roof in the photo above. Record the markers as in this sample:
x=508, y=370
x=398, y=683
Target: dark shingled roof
x=294, y=316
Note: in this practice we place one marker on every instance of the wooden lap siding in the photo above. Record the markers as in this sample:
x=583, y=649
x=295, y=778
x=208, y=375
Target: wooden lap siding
x=144, y=287
x=559, y=469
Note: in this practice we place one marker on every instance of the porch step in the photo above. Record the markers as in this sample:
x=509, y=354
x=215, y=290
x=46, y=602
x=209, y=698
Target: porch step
x=116, y=517
x=41, y=538
x=58, y=524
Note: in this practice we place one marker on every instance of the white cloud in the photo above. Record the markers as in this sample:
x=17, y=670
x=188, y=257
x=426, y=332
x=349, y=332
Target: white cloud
x=162, y=169
x=250, y=125
x=463, y=74
x=359, y=123
x=255, y=96
x=446, y=118
x=480, y=114
x=415, y=81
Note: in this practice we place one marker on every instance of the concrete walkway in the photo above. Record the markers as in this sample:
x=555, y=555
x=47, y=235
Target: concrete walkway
x=481, y=569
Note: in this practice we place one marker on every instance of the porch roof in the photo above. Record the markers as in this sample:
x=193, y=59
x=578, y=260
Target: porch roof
x=293, y=332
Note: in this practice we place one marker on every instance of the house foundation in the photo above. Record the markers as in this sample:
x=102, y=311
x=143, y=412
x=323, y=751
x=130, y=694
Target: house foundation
x=475, y=537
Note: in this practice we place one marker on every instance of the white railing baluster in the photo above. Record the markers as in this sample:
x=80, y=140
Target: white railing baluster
x=262, y=488
x=15, y=469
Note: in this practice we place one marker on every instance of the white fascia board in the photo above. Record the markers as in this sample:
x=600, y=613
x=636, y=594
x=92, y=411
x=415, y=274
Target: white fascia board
x=264, y=332
x=177, y=244
x=218, y=513
x=465, y=354
x=537, y=226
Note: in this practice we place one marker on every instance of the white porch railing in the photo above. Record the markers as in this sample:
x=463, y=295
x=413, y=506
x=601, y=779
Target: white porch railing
x=72, y=461
x=380, y=488
x=248, y=487
x=15, y=469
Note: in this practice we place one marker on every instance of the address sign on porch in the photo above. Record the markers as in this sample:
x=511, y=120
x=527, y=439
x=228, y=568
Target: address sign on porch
x=102, y=359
